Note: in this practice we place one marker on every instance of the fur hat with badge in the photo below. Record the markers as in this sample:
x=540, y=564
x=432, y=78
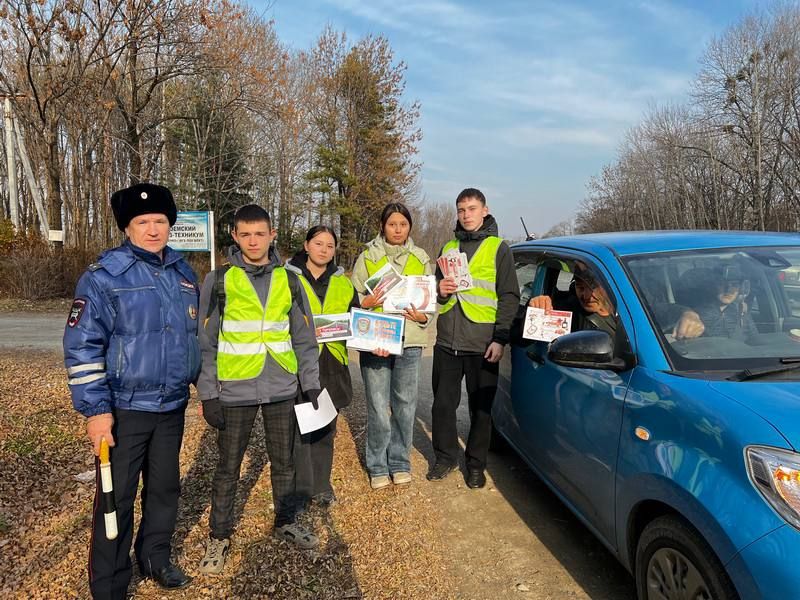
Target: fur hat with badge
x=142, y=199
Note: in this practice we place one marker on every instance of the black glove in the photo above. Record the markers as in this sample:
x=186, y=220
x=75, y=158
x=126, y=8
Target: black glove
x=212, y=413
x=311, y=396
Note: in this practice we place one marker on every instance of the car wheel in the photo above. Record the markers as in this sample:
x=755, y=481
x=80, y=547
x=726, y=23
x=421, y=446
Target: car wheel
x=673, y=562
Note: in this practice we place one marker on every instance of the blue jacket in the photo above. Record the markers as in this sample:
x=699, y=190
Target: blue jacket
x=131, y=336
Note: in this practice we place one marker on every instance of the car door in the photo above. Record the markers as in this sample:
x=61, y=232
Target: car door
x=570, y=418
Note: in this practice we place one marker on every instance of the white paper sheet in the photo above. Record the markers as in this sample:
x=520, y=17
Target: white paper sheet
x=309, y=419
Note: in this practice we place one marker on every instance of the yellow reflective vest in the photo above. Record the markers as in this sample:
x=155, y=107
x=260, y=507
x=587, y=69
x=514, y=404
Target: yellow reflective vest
x=250, y=331
x=479, y=303
x=413, y=266
x=337, y=300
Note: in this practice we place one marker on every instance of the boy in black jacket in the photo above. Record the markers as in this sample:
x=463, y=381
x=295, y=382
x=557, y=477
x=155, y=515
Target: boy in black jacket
x=472, y=331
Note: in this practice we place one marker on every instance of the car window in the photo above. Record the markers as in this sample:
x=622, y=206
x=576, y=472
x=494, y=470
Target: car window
x=720, y=309
x=526, y=266
x=790, y=280
x=579, y=287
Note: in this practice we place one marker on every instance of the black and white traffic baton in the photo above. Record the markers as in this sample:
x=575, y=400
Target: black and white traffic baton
x=109, y=506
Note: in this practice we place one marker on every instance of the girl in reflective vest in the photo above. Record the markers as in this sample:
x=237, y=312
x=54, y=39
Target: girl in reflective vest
x=329, y=292
x=391, y=382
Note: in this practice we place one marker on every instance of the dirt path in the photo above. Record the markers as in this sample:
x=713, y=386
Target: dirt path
x=513, y=538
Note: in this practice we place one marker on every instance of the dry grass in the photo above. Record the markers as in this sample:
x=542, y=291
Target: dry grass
x=373, y=544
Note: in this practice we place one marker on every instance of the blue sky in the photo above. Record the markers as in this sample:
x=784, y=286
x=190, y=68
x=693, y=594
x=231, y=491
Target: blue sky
x=524, y=100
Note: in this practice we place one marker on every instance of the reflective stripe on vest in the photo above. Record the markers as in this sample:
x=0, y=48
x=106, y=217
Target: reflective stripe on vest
x=250, y=331
x=479, y=303
x=337, y=300
x=413, y=266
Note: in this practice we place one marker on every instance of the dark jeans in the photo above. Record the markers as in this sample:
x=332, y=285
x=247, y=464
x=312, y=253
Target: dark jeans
x=448, y=370
x=148, y=444
x=280, y=431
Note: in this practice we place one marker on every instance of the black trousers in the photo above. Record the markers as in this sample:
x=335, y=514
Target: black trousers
x=280, y=431
x=148, y=444
x=481, y=376
x=314, y=457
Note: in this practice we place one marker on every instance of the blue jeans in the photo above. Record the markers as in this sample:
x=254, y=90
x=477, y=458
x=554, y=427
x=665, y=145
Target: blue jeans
x=391, y=386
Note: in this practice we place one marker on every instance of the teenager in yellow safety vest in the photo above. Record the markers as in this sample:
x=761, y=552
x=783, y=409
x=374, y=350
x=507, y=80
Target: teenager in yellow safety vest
x=391, y=382
x=259, y=351
x=329, y=292
x=473, y=328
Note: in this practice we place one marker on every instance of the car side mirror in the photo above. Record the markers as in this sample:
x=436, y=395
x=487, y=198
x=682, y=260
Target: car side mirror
x=590, y=349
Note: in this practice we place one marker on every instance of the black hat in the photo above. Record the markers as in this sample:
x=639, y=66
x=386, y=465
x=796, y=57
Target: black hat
x=142, y=199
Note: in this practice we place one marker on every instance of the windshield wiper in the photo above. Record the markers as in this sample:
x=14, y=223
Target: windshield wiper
x=787, y=364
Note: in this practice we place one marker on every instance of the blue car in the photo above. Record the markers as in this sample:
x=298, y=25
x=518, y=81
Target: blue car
x=653, y=382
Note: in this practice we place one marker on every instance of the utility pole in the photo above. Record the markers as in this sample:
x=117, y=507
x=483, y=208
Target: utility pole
x=13, y=195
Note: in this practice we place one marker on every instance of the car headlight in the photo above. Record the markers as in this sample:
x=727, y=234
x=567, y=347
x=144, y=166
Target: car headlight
x=776, y=474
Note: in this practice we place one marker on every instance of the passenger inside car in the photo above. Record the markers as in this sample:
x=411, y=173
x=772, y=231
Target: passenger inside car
x=720, y=303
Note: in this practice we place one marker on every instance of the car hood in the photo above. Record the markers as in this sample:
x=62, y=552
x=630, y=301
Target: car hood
x=776, y=402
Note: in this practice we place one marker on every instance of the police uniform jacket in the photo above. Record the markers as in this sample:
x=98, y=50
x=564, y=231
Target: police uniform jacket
x=131, y=336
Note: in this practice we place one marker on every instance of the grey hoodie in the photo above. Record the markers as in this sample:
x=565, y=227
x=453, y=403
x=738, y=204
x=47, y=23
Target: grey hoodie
x=274, y=383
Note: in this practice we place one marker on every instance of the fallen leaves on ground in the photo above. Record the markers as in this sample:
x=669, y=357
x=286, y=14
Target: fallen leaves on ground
x=373, y=544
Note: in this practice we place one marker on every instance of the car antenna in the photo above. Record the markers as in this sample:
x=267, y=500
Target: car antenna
x=528, y=236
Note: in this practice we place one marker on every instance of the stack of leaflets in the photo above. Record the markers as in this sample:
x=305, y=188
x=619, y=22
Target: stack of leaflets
x=454, y=265
x=418, y=291
x=546, y=325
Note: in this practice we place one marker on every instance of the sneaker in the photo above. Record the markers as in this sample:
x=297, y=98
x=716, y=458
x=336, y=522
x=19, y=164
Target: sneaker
x=216, y=553
x=297, y=535
x=380, y=481
x=401, y=477
x=440, y=470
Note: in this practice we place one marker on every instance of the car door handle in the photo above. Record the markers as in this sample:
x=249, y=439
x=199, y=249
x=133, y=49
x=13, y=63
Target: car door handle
x=536, y=353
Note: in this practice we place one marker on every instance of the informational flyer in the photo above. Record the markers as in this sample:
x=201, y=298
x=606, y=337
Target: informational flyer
x=416, y=290
x=373, y=331
x=309, y=419
x=383, y=280
x=546, y=325
x=454, y=265
x=333, y=327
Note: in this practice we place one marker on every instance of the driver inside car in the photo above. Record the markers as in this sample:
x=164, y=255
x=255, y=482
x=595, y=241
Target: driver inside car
x=586, y=298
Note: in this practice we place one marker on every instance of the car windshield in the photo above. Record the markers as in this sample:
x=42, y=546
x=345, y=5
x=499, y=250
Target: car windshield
x=730, y=309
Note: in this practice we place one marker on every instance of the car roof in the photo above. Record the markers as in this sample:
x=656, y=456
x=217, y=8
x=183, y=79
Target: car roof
x=644, y=242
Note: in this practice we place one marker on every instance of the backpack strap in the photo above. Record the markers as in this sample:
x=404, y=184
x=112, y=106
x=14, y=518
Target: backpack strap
x=218, y=292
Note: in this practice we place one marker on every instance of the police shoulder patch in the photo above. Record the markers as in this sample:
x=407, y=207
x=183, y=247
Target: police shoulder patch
x=76, y=311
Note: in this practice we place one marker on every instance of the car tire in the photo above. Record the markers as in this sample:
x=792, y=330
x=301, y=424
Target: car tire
x=673, y=561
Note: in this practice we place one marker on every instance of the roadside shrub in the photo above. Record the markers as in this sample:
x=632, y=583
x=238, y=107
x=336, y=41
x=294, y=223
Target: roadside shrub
x=32, y=269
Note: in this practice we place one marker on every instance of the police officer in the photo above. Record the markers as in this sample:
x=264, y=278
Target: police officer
x=131, y=350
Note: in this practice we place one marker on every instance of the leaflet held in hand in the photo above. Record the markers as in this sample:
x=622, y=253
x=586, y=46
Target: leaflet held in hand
x=309, y=419
x=416, y=290
x=454, y=265
x=383, y=280
x=546, y=325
